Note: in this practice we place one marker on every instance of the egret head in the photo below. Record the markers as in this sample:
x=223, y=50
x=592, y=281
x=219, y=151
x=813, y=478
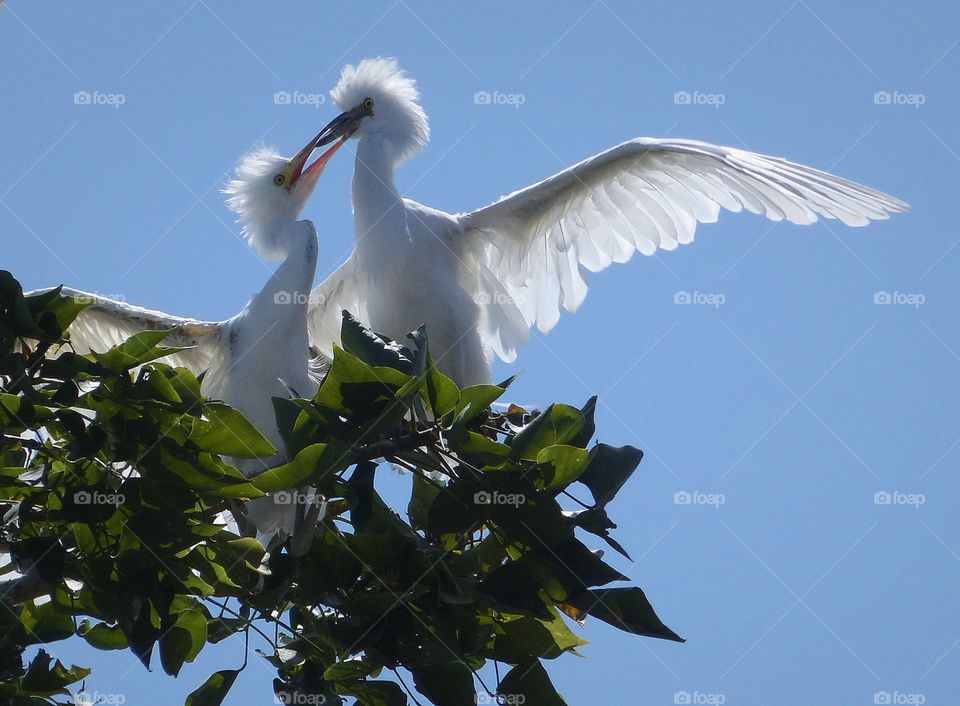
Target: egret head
x=378, y=98
x=270, y=190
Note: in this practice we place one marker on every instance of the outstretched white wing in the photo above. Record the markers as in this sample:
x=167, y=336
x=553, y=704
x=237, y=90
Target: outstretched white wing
x=106, y=322
x=341, y=290
x=642, y=195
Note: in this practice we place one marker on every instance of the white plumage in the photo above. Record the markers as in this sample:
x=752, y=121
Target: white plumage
x=264, y=349
x=481, y=280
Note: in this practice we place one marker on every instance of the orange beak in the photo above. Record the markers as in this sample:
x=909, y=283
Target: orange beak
x=314, y=170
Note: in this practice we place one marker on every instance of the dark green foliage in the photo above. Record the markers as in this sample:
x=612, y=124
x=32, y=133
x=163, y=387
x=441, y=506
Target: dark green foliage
x=113, y=512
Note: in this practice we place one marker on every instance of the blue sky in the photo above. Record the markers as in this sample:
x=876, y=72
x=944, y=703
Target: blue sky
x=791, y=392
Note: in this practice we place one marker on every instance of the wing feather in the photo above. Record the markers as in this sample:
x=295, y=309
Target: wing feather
x=341, y=290
x=645, y=194
x=105, y=323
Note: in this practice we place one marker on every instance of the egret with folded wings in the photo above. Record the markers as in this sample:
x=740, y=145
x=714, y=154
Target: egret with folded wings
x=264, y=350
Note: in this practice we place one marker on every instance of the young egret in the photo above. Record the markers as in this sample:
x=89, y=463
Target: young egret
x=264, y=349
x=480, y=280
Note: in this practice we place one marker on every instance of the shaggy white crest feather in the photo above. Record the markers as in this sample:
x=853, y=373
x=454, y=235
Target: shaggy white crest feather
x=397, y=114
x=260, y=203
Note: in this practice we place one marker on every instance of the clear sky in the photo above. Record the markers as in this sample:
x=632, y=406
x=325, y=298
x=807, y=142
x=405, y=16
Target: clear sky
x=815, y=367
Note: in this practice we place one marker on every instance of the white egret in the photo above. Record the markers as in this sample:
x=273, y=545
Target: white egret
x=480, y=280
x=264, y=349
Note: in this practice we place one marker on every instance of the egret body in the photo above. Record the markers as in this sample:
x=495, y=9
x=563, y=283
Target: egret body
x=264, y=350
x=481, y=280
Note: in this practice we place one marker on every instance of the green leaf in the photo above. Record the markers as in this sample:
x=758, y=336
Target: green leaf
x=372, y=348
x=103, y=636
x=516, y=587
x=246, y=550
x=43, y=623
x=518, y=639
x=529, y=680
x=353, y=669
x=595, y=521
x=422, y=495
x=361, y=392
x=183, y=641
x=225, y=431
x=378, y=693
x=608, y=469
x=625, y=608
x=445, y=684
x=213, y=691
x=294, y=474
x=475, y=399
x=559, y=424
x=576, y=566
x=63, y=309
x=42, y=679
x=560, y=465
x=479, y=450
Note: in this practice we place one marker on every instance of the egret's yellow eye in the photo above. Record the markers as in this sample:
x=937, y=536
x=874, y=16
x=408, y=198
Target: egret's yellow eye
x=368, y=103
x=279, y=180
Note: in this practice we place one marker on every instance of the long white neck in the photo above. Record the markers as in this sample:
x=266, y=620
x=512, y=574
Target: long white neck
x=268, y=340
x=379, y=216
x=284, y=297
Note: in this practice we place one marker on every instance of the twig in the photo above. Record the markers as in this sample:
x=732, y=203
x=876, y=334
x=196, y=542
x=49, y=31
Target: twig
x=392, y=447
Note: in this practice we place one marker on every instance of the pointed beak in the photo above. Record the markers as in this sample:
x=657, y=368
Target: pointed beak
x=314, y=170
x=344, y=125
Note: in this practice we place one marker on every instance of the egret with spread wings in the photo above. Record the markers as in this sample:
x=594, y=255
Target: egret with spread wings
x=264, y=350
x=481, y=280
